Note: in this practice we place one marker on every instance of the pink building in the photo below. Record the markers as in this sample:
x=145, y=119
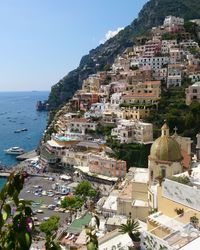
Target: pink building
x=104, y=165
x=193, y=93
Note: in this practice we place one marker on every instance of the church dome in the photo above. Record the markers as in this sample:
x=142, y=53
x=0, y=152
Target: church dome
x=165, y=148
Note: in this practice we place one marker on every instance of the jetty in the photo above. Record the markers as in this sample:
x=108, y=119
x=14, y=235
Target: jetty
x=27, y=155
x=4, y=174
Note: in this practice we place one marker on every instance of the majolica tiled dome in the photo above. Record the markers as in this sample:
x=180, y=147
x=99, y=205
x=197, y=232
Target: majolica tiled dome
x=165, y=148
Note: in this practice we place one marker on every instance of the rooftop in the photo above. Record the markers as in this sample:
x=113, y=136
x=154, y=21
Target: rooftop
x=196, y=84
x=111, y=203
x=103, y=177
x=139, y=174
x=77, y=224
x=177, y=232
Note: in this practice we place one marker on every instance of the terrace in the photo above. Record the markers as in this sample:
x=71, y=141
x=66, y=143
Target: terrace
x=173, y=233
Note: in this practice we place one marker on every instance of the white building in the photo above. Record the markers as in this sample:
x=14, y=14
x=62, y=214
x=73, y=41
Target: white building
x=193, y=93
x=195, y=77
x=115, y=100
x=174, y=75
x=133, y=131
x=96, y=110
x=81, y=124
x=152, y=62
x=166, y=45
x=171, y=21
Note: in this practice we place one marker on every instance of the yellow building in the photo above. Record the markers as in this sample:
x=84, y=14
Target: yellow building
x=133, y=199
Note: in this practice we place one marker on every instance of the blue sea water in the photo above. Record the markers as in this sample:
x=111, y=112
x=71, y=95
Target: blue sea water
x=18, y=111
x=2, y=182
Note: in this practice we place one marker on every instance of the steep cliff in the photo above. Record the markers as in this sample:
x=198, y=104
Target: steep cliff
x=152, y=14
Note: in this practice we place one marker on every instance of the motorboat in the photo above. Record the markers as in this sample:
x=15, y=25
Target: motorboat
x=17, y=131
x=14, y=151
x=24, y=129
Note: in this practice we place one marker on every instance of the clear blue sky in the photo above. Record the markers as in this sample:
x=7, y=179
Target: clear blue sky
x=42, y=40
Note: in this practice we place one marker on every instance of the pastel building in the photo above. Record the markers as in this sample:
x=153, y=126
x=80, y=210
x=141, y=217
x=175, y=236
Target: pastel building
x=174, y=75
x=171, y=21
x=193, y=93
x=80, y=125
x=152, y=62
x=103, y=165
x=147, y=87
x=133, y=131
x=91, y=84
x=140, y=99
x=132, y=200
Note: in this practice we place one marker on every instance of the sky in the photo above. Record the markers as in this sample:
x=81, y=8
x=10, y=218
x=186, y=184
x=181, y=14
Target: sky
x=42, y=40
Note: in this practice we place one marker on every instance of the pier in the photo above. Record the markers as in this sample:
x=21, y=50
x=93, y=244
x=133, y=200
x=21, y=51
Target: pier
x=27, y=155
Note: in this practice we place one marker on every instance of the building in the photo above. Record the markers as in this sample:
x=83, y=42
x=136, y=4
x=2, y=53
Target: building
x=167, y=45
x=115, y=100
x=133, y=198
x=174, y=75
x=101, y=164
x=160, y=74
x=147, y=87
x=176, y=54
x=95, y=111
x=198, y=147
x=134, y=113
x=195, y=77
x=80, y=125
x=133, y=132
x=145, y=99
x=83, y=100
x=193, y=93
x=171, y=21
x=152, y=48
x=91, y=84
x=152, y=62
x=139, y=75
x=176, y=224
x=165, y=157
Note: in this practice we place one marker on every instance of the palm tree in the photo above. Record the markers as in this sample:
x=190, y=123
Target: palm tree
x=91, y=239
x=132, y=229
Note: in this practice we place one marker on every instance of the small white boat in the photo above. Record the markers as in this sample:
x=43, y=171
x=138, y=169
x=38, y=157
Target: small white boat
x=14, y=151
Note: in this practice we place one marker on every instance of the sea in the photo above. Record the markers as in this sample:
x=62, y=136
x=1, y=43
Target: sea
x=18, y=111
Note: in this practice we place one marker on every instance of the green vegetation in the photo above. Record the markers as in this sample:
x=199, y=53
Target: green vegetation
x=131, y=105
x=172, y=108
x=181, y=179
x=15, y=229
x=50, y=228
x=132, y=229
x=152, y=14
x=92, y=242
x=72, y=202
x=102, y=130
x=135, y=155
x=84, y=189
x=16, y=223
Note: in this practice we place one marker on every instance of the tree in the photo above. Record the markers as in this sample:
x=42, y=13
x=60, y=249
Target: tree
x=50, y=228
x=16, y=224
x=84, y=189
x=131, y=228
x=72, y=202
x=91, y=238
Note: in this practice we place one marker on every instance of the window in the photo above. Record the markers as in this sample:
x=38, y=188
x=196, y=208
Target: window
x=163, y=172
x=151, y=174
x=194, y=90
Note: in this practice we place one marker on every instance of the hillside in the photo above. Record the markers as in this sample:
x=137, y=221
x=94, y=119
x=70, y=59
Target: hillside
x=152, y=14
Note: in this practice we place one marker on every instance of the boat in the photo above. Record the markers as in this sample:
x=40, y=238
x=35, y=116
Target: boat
x=24, y=129
x=14, y=151
x=17, y=131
